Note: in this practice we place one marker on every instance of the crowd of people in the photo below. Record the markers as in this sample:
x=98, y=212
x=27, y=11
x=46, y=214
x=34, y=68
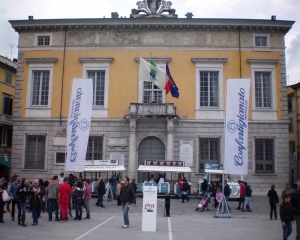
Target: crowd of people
x=289, y=209
x=59, y=195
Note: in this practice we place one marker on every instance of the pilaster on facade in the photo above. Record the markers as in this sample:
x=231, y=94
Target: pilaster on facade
x=170, y=139
x=132, y=162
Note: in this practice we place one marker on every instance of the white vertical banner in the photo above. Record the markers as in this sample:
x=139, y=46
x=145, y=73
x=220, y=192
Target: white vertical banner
x=79, y=122
x=149, y=209
x=236, y=127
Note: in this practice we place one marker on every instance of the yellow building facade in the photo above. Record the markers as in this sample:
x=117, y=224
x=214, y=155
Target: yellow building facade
x=8, y=71
x=132, y=120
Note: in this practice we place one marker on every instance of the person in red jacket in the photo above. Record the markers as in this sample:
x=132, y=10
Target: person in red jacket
x=242, y=195
x=63, y=198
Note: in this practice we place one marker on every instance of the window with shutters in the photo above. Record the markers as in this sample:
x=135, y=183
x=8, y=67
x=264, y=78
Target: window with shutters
x=95, y=148
x=7, y=104
x=8, y=78
x=35, y=151
x=264, y=155
x=209, y=151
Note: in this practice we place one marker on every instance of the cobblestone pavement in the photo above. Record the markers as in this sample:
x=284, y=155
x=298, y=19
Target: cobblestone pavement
x=184, y=223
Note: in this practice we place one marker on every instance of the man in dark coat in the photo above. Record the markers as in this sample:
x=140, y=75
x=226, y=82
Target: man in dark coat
x=36, y=200
x=227, y=192
x=101, y=192
x=128, y=199
x=295, y=200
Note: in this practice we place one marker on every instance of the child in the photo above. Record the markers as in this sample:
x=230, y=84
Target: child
x=218, y=197
x=286, y=216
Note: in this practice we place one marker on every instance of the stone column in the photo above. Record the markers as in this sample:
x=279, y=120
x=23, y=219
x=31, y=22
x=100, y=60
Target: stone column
x=132, y=162
x=170, y=139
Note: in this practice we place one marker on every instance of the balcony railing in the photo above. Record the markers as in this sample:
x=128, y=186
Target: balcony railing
x=152, y=110
x=6, y=119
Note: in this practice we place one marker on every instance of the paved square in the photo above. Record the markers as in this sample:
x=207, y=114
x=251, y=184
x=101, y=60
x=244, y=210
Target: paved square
x=184, y=223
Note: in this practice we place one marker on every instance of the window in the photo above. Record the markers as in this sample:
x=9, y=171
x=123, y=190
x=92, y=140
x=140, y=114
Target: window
x=7, y=104
x=8, y=78
x=264, y=156
x=95, y=148
x=60, y=158
x=209, y=89
x=43, y=40
x=40, y=88
x=98, y=86
x=152, y=93
x=209, y=151
x=3, y=137
x=209, y=99
x=290, y=105
x=35, y=148
x=261, y=41
x=263, y=90
x=292, y=149
x=290, y=125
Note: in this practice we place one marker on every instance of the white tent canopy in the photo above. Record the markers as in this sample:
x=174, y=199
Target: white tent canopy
x=95, y=168
x=144, y=168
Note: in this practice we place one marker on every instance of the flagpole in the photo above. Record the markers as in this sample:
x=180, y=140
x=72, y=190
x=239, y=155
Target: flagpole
x=225, y=214
x=66, y=147
x=138, y=81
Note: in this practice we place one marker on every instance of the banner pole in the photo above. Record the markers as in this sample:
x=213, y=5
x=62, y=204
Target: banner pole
x=224, y=211
x=66, y=146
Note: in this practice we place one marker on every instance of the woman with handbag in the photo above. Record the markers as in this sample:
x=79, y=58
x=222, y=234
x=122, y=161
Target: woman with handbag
x=1, y=201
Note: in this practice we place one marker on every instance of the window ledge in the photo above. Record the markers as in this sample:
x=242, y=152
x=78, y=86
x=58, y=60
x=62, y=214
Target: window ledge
x=99, y=108
x=209, y=109
x=39, y=170
x=262, y=49
x=210, y=113
x=264, y=110
x=264, y=174
x=59, y=164
x=39, y=107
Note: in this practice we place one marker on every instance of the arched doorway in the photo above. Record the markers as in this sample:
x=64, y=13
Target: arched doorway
x=150, y=148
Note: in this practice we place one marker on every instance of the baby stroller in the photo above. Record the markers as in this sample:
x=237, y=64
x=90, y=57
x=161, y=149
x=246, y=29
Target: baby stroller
x=203, y=204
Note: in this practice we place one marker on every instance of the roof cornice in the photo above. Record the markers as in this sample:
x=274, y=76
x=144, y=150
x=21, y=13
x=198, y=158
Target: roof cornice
x=204, y=24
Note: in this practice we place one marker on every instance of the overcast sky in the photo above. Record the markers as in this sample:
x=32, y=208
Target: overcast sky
x=250, y=9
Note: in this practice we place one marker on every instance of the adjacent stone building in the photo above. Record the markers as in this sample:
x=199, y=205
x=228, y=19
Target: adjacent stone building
x=132, y=120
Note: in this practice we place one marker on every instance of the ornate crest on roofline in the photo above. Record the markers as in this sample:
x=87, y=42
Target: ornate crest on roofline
x=153, y=8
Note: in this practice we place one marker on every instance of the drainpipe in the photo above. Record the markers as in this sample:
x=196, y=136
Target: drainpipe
x=62, y=78
x=240, y=52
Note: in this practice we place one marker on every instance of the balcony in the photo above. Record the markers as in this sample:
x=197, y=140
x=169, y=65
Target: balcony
x=152, y=110
x=6, y=119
